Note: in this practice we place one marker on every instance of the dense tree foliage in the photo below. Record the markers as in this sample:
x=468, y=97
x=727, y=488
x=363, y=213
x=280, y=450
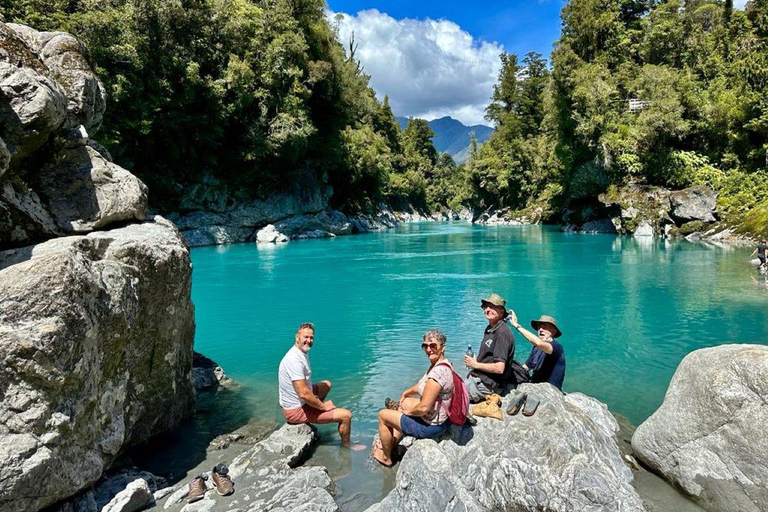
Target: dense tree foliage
x=698, y=74
x=254, y=92
x=257, y=92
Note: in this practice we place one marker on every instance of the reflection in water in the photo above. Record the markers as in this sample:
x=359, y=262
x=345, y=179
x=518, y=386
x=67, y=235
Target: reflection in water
x=629, y=309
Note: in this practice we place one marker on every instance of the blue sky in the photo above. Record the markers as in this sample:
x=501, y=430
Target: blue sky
x=441, y=58
x=520, y=26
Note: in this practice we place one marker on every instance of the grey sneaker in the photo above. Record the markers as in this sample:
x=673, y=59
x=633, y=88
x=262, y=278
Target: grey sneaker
x=224, y=484
x=516, y=403
x=197, y=489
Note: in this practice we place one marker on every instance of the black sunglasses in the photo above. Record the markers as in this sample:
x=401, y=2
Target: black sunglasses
x=431, y=346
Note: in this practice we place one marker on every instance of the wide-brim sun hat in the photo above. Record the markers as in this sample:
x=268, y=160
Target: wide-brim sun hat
x=494, y=299
x=548, y=320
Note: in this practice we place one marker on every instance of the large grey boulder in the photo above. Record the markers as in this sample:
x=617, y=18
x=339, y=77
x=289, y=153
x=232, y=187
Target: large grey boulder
x=32, y=104
x=67, y=60
x=563, y=458
x=267, y=478
x=708, y=437
x=96, y=338
x=694, y=203
x=84, y=191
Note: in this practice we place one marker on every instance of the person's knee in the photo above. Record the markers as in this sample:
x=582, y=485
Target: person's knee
x=344, y=415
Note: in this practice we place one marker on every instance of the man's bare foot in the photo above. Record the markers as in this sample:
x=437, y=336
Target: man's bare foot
x=378, y=456
x=355, y=447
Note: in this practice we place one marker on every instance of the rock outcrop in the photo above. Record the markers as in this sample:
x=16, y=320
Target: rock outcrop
x=708, y=437
x=646, y=211
x=693, y=204
x=266, y=478
x=54, y=180
x=96, y=337
x=563, y=458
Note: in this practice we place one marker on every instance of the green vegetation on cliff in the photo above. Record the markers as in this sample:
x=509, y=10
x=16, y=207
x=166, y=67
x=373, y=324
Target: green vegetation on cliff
x=667, y=93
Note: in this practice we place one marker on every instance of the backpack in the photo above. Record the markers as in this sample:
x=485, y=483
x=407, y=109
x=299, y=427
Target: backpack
x=459, y=409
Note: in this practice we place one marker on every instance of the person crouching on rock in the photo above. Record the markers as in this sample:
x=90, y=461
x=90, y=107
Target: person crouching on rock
x=547, y=359
x=491, y=369
x=300, y=399
x=422, y=417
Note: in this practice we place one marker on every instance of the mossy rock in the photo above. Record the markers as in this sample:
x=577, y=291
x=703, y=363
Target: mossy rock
x=694, y=226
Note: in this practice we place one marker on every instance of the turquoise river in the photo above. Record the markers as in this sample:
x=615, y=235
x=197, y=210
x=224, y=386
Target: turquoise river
x=630, y=309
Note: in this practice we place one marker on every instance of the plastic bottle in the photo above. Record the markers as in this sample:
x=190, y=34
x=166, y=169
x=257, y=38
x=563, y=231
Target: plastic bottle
x=470, y=354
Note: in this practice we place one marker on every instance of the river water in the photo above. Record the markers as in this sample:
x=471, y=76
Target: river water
x=630, y=309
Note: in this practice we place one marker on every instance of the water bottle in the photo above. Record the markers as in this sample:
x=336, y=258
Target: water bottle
x=470, y=354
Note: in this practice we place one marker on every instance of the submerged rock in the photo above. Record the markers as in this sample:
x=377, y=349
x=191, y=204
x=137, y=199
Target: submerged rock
x=563, y=458
x=206, y=373
x=96, y=334
x=708, y=437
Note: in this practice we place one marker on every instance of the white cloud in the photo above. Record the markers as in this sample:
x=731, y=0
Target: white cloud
x=427, y=68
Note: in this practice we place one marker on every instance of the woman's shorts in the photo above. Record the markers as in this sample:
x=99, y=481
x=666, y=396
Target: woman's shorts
x=417, y=428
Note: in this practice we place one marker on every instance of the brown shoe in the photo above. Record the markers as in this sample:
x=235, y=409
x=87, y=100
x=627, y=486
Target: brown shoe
x=197, y=489
x=391, y=404
x=224, y=484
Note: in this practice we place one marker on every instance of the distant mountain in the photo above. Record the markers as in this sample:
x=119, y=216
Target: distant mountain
x=452, y=136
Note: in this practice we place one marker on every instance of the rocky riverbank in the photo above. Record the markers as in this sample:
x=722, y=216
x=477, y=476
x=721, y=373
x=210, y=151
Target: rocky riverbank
x=212, y=214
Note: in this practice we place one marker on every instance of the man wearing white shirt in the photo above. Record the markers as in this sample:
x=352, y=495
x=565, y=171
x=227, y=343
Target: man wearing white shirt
x=300, y=399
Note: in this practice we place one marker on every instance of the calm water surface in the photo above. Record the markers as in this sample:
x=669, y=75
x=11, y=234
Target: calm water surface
x=630, y=310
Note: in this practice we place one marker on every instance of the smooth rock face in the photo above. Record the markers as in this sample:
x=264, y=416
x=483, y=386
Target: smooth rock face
x=694, y=203
x=134, y=497
x=563, y=458
x=96, y=337
x=84, y=191
x=708, y=437
x=265, y=478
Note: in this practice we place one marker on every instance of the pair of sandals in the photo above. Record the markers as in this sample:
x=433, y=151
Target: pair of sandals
x=521, y=400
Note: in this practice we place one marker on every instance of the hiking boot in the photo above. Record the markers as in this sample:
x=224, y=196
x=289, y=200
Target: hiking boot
x=197, y=489
x=391, y=404
x=224, y=484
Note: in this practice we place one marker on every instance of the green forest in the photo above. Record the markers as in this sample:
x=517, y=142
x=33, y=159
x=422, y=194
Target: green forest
x=260, y=93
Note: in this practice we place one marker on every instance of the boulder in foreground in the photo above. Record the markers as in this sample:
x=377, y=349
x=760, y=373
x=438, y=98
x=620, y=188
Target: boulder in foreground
x=563, y=458
x=96, y=338
x=708, y=437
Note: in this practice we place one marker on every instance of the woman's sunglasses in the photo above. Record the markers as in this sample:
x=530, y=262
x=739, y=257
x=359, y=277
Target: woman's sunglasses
x=430, y=346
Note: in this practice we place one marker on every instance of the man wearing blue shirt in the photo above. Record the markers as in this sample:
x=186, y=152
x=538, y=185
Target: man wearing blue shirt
x=547, y=360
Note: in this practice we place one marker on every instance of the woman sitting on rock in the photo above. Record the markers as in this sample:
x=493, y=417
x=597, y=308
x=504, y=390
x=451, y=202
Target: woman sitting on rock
x=423, y=416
